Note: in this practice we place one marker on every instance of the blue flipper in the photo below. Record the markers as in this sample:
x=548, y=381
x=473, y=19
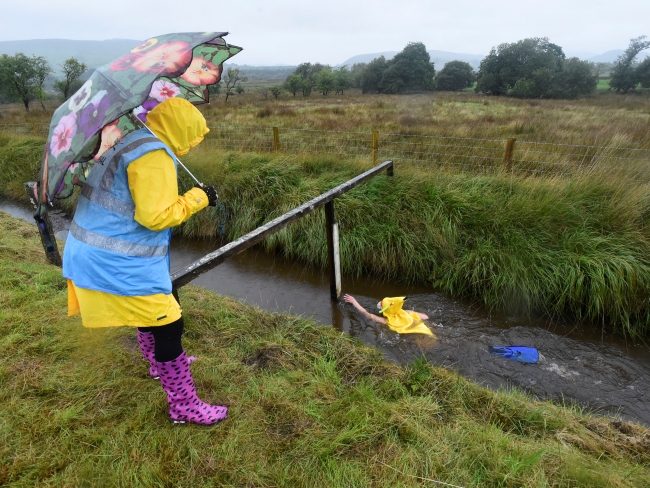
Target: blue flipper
x=523, y=354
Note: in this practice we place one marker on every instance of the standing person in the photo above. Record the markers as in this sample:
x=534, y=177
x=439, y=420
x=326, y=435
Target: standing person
x=116, y=258
x=401, y=321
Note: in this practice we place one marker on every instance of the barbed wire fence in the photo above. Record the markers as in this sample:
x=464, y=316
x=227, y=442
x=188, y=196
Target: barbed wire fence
x=481, y=155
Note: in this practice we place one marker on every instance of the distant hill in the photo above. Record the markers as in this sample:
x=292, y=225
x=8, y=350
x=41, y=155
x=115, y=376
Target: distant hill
x=266, y=73
x=366, y=58
x=56, y=51
x=439, y=58
x=608, y=57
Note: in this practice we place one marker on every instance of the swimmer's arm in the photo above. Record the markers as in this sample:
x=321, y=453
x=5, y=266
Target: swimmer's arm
x=421, y=315
x=375, y=318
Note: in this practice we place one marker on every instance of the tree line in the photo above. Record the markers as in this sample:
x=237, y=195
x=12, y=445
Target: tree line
x=22, y=78
x=530, y=68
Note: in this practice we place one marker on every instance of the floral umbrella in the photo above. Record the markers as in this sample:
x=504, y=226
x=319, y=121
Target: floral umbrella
x=103, y=110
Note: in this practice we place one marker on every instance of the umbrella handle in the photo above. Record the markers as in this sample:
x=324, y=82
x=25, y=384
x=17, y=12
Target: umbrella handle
x=189, y=172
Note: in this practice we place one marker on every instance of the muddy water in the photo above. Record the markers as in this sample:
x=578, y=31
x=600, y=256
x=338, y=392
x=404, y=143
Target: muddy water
x=604, y=374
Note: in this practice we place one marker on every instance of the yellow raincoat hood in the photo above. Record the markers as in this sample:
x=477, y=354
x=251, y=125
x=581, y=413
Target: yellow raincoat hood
x=178, y=124
x=401, y=321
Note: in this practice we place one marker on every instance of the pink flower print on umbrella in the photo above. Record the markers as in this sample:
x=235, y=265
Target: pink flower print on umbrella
x=165, y=59
x=111, y=135
x=202, y=72
x=91, y=117
x=143, y=110
x=125, y=62
x=80, y=98
x=63, y=133
x=162, y=90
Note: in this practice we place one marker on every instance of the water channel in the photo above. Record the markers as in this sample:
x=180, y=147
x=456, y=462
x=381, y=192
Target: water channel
x=605, y=374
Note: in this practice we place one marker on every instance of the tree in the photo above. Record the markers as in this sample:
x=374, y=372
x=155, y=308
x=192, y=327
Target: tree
x=264, y=91
x=72, y=71
x=455, y=76
x=534, y=68
x=215, y=89
x=602, y=68
x=410, y=70
x=577, y=78
x=371, y=75
x=643, y=72
x=305, y=86
x=276, y=91
x=293, y=84
x=239, y=89
x=22, y=77
x=355, y=73
x=42, y=71
x=624, y=74
x=508, y=63
x=343, y=80
x=326, y=81
x=308, y=74
x=233, y=79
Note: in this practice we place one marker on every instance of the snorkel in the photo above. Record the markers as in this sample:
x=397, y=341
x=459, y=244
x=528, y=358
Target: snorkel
x=390, y=304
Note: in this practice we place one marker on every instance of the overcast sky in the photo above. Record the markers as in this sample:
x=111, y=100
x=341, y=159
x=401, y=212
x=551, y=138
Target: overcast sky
x=293, y=31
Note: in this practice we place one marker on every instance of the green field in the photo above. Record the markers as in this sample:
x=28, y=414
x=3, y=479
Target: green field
x=603, y=84
x=309, y=407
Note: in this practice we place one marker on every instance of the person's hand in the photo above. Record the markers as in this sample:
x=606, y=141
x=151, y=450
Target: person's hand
x=350, y=299
x=211, y=193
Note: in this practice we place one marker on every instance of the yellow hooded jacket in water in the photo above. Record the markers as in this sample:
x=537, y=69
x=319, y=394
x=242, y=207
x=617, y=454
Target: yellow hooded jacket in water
x=401, y=321
x=158, y=206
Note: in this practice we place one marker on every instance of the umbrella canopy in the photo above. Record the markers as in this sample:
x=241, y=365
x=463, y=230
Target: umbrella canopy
x=103, y=110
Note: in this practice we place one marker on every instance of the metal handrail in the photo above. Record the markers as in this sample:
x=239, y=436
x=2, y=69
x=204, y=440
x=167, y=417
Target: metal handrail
x=215, y=258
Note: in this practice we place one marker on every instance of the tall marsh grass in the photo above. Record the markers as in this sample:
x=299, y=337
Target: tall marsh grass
x=572, y=247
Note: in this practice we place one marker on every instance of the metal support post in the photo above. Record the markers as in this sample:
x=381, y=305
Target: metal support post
x=333, y=256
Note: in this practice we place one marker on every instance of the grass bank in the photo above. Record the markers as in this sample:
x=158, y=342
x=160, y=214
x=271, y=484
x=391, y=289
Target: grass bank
x=308, y=406
x=574, y=247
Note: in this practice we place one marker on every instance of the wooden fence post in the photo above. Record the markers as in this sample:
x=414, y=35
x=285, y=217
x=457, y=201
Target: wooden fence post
x=276, y=139
x=333, y=257
x=375, y=145
x=507, y=157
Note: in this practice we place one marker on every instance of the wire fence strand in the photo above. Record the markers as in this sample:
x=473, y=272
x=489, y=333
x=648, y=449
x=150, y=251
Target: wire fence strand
x=426, y=152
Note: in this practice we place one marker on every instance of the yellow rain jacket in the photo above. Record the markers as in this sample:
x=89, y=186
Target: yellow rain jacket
x=401, y=321
x=158, y=206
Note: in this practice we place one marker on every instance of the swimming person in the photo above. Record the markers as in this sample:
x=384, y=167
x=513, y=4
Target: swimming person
x=400, y=321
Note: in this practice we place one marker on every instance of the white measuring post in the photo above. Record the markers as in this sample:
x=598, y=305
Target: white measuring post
x=333, y=254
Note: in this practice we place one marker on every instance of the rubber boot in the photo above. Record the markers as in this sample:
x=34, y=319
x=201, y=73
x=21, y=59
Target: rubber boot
x=147, y=345
x=184, y=404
